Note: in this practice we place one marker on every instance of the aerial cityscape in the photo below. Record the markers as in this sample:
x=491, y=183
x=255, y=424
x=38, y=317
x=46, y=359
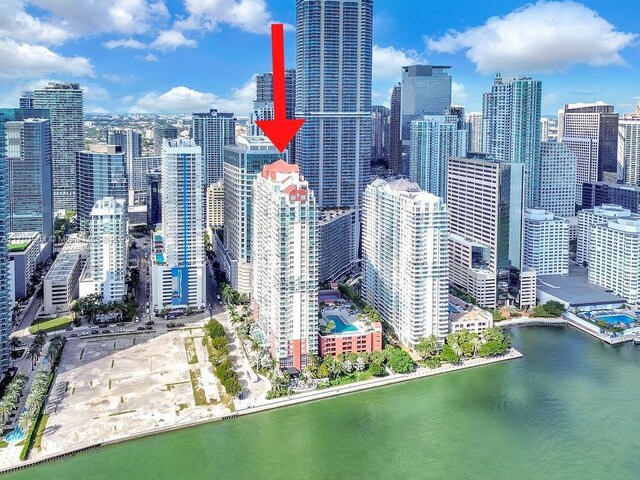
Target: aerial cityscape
x=319, y=239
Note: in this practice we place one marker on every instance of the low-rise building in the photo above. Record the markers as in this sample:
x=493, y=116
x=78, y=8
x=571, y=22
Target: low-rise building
x=61, y=284
x=24, y=249
x=474, y=320
x=362, y=339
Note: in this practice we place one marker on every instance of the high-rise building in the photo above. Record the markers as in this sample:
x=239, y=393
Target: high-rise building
x=395, y=141
x=106, y=270
x=434, y=139
x=131, y=143
x=154, y=198
x=380, y=133
x=30, y=177
x=557, y=179
x=595, y=194
x=338, y=246
x=65, y=102
x=26, y=100
x=178, y=266
x=485, y=198
x=614, y=263
x=285, y=270
x=333, y=95
x=587, y=218
x=590, y=131
x=405, y=261
x=212, y=131
x=6, y=280
x=546, y=242
x=242, y=163
x=629, y=151
x=215, y=205
x=511, y=120
x=474, y=132
x=138, y=180
x=544, y=129
x=263, y=106
x=160, y=132
x=102, y=172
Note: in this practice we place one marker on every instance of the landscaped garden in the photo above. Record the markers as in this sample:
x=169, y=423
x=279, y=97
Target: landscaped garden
x=49, y=324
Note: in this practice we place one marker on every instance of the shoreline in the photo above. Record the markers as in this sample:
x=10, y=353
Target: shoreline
x=420, y=372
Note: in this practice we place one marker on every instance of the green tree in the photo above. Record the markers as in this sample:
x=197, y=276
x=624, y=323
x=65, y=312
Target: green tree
x=427, y=347
x=398, y=360
x=377, y=370
x=449, y=355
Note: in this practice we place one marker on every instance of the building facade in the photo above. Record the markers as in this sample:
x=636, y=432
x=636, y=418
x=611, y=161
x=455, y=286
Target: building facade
x=629, y=151
x=141, y=167
x=131, y=143
x=558, y=170
x=595, y=194
x=587, y=218
x=338, y=246
x=215, y=205
x=474, y=132
x=154, y=198
x=6, y=282
x=61, y=284
x=511, y=123
x=434, y=139
x=380, y=133
x=285, y=265
x=405, y=262
x=395, y=140
x=546, y=242
x=334, y=42
x=24, y=250
x=66, y=105
x=178, y=266
x=162, y=131
x=101, y=172
x=212, y=131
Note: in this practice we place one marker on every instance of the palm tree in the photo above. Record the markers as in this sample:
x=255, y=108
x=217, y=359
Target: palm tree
x=31, y=355
x=457, y=349
x=476, y=343
x=5, y=410
x=24, y=421
x=360, y=365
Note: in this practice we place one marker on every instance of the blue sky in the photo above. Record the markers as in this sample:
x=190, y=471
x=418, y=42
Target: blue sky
x=183, y=56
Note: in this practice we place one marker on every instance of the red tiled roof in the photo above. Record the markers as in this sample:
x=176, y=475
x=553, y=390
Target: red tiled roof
x=280, y=166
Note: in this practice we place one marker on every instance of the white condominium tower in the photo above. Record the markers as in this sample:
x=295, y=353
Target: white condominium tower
x=511, y=115
x=285, y=264
x=546, y=242
x=558, y=168
x=178, y=263
x=629, y=151
x=405, y=258
x=65, y=101
x=215, y=205
x=587, y=218
x=109, y=257
x=474, y=132
x=434, y=139
x=614, y=257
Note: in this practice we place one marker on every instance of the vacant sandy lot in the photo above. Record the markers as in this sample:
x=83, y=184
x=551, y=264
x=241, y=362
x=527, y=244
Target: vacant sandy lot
x=117, y=386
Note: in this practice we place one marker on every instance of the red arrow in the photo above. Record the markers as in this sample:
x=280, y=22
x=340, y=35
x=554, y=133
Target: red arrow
x=280, y=130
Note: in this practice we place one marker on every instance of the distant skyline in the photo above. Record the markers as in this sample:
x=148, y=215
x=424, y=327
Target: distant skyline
x=178, y=57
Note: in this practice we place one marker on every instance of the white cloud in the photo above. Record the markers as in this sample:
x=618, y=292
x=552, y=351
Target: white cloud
x=150, y=57
x=172, y=39
x=542, y=37
x=248, y=15
x=25, y=60
x=186, y=100
x=458, y=94
x=18, y=24
x=387, y=62
x=95, y=109
x=125, y=43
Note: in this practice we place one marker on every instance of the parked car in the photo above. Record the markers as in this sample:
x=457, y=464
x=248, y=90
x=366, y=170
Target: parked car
x=149, y=327
x=85, y=333
x=69, y=328
x=150, y=322
x=121, y=324
x=95, y=332
x=106, y=331
x=141, y=328
x=73, y=335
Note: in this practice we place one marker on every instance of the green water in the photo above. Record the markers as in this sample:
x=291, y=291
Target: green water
x=569, y=409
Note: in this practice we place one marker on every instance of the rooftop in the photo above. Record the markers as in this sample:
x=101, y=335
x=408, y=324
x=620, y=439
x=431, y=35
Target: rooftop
x=75, y=248
x=575, y=289
x=326, y=216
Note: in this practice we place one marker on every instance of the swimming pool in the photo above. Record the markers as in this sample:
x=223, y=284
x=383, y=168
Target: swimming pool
x=614, y=319
x=341, y=327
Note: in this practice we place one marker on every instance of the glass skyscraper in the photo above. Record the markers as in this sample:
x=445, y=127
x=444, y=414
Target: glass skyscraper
x=212, y=131
x=333, y=95
x=5, y=278
x=65, y=101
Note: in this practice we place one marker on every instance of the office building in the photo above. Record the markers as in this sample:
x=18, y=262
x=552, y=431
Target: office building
x=338, y=246
x=544, y=130
x=106, y=269
x=131, y=143
x=474, y=132
x=395, y=141
x=333, y=95
x=590, y=131
x=485, y=199
x=154, y=198
x=102, y=172
x=215, y=205
x=212, y=131
x=26, y=100
x=380, y=133
x=61, y=284
x=434, y=139
x=405, y=261
x=285, y=271
x=65, y=102
x=595, y=194
x=24, y=250
x=546, y=242
x=141, y=167
x=629, y=151
x=558, y=169
x=30, y=177
x=178, y=263
x=162, y=131
x=7, y=297
x=242, y=163
x=511, y=120
x=614, y=261
x=587, y=218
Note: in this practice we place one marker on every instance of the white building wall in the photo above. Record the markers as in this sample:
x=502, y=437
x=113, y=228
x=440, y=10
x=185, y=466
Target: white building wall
x=546, y=243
